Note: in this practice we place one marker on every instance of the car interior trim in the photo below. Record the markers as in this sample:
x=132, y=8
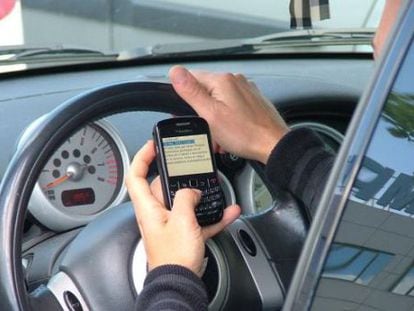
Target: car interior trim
x=61, y=284
x=262, y=273
x=180, y=59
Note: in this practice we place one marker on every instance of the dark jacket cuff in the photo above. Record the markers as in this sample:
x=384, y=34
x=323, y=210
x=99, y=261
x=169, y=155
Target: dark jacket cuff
x=172, y=287
x=174, y=272
x=287, y=153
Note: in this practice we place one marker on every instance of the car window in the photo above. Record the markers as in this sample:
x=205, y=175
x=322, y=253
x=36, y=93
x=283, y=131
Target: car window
x=370, y=265
x=118, y=25
x=110, y=30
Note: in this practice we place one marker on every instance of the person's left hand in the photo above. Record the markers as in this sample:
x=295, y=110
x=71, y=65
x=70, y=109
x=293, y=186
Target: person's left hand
x=170, y=236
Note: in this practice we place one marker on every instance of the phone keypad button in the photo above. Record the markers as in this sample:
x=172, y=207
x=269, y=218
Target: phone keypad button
x=212, y=182
x=175, y=187
x=193, y=183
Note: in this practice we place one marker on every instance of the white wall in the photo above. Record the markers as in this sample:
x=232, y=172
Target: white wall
x=11, y=27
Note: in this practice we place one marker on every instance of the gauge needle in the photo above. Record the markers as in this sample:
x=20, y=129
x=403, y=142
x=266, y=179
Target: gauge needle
x=57, y=181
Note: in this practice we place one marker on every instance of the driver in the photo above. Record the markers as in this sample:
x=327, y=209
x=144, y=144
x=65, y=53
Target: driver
x=244, y=123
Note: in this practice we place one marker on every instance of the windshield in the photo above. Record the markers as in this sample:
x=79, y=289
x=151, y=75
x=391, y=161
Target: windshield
x=111, y=26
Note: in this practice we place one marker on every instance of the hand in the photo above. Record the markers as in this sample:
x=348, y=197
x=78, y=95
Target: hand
x=170, y=236
x=241, y=120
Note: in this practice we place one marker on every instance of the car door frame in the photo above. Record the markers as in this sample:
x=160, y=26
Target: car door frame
x=348, y=163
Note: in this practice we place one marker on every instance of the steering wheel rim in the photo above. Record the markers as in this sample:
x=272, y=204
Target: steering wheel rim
x=27, y=162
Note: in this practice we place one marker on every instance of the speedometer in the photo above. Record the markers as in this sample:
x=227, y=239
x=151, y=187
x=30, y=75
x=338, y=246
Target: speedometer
x=86, y=164
x=82, y=178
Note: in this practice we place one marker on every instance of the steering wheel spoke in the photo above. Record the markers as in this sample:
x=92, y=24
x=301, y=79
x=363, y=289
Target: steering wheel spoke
x=44, y=299
x=66, y=293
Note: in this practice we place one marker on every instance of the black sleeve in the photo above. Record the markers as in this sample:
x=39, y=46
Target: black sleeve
x=172, y=287
x=300, y=163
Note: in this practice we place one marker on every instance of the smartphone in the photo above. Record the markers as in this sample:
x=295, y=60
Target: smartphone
x=185, y=159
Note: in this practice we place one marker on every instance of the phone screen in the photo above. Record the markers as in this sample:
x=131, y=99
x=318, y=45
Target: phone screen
x=187, y=155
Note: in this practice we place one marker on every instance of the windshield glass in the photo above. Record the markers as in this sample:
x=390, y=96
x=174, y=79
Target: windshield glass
x=111, y=26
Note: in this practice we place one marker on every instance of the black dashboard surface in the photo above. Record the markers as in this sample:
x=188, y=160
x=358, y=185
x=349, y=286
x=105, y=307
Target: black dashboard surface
x=301, y=88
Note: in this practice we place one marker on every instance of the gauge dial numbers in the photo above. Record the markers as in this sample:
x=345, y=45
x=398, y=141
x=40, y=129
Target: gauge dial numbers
x=83, y=177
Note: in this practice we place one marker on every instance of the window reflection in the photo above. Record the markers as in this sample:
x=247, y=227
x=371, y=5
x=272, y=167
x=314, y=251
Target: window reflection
x=354, y=264
x=379, y=183
x=406, y=285
x=374, y=268
x=398, y=112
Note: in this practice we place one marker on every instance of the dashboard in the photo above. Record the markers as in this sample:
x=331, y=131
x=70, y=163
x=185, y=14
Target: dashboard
x=85, y=175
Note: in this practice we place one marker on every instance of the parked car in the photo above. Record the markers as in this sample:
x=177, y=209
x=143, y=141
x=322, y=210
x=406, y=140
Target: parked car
x=74, y=244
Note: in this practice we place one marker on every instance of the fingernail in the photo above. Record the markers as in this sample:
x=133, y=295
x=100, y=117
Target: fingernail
x=180, y=76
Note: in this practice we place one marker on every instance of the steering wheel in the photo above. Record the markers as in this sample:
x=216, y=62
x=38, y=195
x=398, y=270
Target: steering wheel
x=255, y=256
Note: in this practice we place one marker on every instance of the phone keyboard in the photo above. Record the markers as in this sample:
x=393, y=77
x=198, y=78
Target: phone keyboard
x=210, y=208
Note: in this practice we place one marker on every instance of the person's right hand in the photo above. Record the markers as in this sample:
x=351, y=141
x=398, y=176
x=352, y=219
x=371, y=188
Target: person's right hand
x=241, y=120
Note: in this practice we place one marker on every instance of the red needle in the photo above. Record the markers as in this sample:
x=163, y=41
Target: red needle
x=57, y=181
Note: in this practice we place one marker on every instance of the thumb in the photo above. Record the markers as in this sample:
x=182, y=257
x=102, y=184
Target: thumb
x=231, y=213
x=190, y=89
x=185, y=202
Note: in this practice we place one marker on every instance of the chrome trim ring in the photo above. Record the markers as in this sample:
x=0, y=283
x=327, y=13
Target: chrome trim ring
x=57, y=219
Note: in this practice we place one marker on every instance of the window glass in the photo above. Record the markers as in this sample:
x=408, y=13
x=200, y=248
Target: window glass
x=370, y=265
x=113, y=25
x=50, y=33
x=354, y=264
x=406, y=285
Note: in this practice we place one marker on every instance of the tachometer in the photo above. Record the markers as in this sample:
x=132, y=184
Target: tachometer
x=83, y=177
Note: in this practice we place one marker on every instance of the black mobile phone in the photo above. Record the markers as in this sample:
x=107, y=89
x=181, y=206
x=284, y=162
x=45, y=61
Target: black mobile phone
x=185, y=159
